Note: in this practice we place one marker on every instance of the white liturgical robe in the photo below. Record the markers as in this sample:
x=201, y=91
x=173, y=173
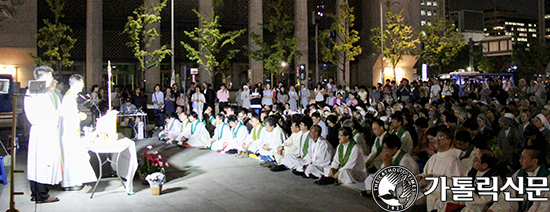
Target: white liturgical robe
x=76, y=161
x=44, y=152
x=254, y=139
x=442, y=164
x=375, y=158
x=172, y=129
x=196, y=134
x=222, y=134
x=354, y=170
x=296, y=161
x=318, y=157
x=272, y=140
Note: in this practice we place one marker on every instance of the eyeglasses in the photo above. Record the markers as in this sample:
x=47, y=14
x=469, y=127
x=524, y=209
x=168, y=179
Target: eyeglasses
x=440, y=137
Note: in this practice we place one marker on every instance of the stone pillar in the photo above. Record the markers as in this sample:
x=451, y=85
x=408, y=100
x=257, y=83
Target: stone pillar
x=206, y=10
x=301, y=32
x=94, y=43
x=255, y=18
x=343, y=68
x=152, y=75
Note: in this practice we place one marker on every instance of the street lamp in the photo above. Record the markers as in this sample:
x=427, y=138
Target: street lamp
x=284, y=64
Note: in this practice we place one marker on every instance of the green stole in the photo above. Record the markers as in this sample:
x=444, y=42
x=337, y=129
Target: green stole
x=354, y=133
x=221, y=132
x=256, y=132
x=344, y=158
x=379, y=145
x=235, y=130
x=400, y=132
x=468, y=152
x=543, y=172
x=304, y=145
x=397, y=160
x=184, y=125
x=193, y=129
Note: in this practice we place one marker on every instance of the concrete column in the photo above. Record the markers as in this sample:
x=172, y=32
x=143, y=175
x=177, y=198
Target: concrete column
x=255, y=18
x=301, y=33
x=94, y=43
x=206, y=10
x=152, y=75
x=343, y=76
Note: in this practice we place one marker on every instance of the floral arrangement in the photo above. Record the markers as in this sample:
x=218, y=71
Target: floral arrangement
x=156, y=178
x=151, y=163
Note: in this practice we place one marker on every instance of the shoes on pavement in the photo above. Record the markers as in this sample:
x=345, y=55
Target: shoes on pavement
x=49, y=200
x=325, y=181
x=74, y=188
x=278, y=168
x=297, y=173
x=232, y=151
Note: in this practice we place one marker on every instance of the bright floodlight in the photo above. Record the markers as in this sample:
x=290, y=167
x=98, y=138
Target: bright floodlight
x=283, y=64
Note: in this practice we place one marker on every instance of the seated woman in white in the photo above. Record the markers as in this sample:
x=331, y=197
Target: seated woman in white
x=195, y=134
x=171, y=129
x=222, y=133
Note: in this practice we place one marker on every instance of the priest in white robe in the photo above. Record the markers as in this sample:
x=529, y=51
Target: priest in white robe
x=251, y=144
x=394, y=156
x=468, y=151
x=171, y=128
x=444, y=163
x=319, y=154
x=296, y=161
x=76, y=161
x=530, y=167
x=399, y=130
x=348, y=164
x=290, y=147
x=44, y=166
x=239, y=134
x=195, y=134
x=274, y=137
x=222, y=134
x=375, y=159
x=485, y=165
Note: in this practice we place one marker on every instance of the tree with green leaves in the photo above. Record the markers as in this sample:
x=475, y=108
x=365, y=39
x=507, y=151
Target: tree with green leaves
x=442, y=41
x=54, y=38
x=398, y=38
x=532, y=60
x=210, y=41
x=341, y=48
x=283, y=46
x=142, y=34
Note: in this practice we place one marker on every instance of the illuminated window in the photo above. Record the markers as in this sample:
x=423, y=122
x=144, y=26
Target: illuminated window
x=422, y=12
x=523, y=34
x=522, y=29
x=429, y=3
x=422, y=23
x=547, y=16
x=534, y=35
x=429, y=13
x=530, y=25
x=435, y=3
x=422, y=2
x=532, y=30
x=522, y=39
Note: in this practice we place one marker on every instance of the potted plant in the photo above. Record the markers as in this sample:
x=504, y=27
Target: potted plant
x=155, y=182
x=151, y=168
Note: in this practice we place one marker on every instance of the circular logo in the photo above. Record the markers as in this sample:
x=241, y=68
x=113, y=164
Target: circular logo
x=394, y=188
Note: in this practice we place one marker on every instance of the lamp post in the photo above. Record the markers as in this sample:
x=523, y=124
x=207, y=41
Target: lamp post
x=381, y=43
x=314, y=20
x=172, y=35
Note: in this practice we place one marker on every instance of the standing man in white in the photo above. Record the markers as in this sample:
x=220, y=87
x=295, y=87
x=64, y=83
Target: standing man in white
x=44, y=166
x=76, y=161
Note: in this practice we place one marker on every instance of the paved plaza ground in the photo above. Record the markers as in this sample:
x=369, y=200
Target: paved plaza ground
x=198, y=180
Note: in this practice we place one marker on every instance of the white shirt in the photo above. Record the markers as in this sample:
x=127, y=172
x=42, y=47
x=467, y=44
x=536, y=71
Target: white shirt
x=356, y=160
x=319, y=153
x=292, y=143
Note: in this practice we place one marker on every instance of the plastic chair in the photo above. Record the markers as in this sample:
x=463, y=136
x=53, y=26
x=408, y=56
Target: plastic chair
x=3, y=175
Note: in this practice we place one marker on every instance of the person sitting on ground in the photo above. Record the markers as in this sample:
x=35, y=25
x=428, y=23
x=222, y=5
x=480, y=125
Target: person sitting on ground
x=484, y=166
x=444, y=163
x=222, y=134
x=532, y=165
x=469, y=151
x=195, y=134
x=316, y=117
x=401, y=132
x=357, y=136
x=296, y=162
x=393, y=156
x=171, y=128
x=239, y=133
x=319, y=154
x=251, y=145
x=375, y=159
x=273, y=138
x=291, y=146
x=348, y=164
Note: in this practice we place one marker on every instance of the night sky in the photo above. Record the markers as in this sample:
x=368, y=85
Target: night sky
x=523, y=6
